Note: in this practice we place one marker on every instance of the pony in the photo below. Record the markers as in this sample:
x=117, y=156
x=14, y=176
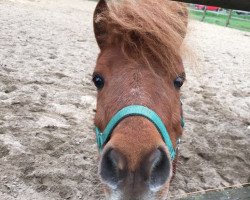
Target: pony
x=138, y=76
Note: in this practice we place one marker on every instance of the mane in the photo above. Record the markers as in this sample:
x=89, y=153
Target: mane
x=148, y=31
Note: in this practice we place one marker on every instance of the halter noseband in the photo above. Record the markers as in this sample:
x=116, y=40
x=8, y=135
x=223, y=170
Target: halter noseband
x=136, y=110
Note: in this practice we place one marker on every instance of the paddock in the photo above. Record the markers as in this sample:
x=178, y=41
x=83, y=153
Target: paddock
x=47, y=142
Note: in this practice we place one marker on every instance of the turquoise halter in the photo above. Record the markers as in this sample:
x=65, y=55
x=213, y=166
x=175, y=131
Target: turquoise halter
x=135, y=110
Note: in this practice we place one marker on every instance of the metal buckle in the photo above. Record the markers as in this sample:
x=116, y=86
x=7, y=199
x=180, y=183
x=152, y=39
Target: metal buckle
x=178, y=142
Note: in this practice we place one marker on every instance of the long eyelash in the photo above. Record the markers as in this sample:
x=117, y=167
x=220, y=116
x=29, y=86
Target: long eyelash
x=183, y=75
x=94, y=74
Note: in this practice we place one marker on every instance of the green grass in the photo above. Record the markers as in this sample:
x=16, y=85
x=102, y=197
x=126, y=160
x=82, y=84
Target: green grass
x=212, y=17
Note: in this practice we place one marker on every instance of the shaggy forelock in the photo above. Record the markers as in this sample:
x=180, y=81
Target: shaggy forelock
x=147, y=30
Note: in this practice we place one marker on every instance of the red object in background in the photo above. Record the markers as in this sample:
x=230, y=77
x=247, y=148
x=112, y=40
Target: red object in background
x=202, y=7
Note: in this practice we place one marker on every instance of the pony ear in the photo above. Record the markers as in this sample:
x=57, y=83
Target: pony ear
x=100, y=28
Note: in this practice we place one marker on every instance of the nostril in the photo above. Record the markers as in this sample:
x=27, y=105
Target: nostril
x=112, y=167
x=157, y=168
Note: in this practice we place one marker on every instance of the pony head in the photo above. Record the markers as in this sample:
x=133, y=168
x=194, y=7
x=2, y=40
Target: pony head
x=139, y=64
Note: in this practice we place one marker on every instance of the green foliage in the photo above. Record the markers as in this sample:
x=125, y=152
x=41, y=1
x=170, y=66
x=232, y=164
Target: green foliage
x=241, y=22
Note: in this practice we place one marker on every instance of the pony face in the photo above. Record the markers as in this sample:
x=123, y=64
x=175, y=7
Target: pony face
x=138, y=66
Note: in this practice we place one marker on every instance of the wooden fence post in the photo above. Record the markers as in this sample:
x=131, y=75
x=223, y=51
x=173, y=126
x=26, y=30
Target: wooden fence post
x=229, y=17
x=204, y=13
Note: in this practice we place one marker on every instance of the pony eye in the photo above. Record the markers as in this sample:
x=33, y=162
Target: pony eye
x=98, y=81
x=178, y=82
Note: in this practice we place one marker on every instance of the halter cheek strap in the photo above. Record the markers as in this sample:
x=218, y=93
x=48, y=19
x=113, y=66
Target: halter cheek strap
x=135, y=110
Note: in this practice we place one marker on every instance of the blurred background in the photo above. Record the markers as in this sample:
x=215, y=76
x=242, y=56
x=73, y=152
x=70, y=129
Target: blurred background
x=224, y=17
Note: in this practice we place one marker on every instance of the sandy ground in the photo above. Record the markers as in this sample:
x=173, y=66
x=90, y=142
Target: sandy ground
x=47, y=146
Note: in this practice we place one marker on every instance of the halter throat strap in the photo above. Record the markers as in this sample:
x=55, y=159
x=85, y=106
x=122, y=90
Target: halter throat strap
x=135, y=110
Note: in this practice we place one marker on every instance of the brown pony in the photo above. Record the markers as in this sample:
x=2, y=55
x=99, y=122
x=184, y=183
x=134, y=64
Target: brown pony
x=139, y=64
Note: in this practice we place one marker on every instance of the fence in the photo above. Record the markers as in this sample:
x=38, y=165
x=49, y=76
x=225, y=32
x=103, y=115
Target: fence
x=229, y=4
x=231, y=18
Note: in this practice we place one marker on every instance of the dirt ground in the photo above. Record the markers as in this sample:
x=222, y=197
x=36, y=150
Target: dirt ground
x=47, y=145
